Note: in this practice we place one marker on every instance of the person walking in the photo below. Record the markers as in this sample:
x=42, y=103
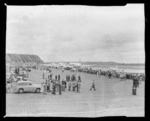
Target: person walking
x=93, y=86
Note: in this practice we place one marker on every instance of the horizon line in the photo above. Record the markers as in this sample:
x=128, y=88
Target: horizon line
x=93, y=62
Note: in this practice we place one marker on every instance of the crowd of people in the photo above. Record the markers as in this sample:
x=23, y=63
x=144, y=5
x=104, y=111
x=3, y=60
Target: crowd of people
x=72, y=84
x=109, y=73
x=54, y=84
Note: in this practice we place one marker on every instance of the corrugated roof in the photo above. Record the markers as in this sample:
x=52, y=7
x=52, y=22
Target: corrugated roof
x=22, y=58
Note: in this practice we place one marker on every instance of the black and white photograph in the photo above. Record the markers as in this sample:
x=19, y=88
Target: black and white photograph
x=75, y=61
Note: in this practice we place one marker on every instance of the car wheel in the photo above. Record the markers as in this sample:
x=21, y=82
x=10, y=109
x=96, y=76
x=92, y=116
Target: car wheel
x=38, y=90
x=21, y=91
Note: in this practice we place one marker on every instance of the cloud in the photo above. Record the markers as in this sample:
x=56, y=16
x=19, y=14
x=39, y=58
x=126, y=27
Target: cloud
x=69, y=33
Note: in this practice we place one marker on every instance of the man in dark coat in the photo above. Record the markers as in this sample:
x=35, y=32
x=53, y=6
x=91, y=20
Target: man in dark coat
x=79, y=78
x=59, y=77
x=69, y=83
x=72, y=78
x=93, y=86
x=53, y=87
x=59, y=88
x=78, y=83
x=50, y=77
x=48, y=85
x=135, y=84
x=56, y=77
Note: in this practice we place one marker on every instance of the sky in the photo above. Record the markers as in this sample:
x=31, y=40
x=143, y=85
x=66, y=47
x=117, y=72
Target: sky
x=73, y=33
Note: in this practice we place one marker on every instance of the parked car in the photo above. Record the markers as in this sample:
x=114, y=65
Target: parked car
x=67, y=68
x=26, y=86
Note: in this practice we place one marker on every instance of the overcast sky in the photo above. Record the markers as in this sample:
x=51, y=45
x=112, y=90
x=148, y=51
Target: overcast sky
x=70, y=33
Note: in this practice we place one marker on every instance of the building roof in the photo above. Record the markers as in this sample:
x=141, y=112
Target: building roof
x=23, y=58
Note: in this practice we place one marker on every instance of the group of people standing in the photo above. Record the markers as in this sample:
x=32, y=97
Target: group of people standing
x=74, y=84
x=54, y=84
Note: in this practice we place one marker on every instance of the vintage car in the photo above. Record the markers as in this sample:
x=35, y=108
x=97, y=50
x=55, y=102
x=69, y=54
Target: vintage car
x=67, y=68
x=26, y=86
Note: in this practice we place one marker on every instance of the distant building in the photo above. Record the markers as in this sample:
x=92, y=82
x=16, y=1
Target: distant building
x=23, y=58
x=15, y=60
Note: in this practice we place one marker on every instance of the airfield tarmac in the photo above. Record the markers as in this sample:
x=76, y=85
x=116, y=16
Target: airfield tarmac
x=111, y=98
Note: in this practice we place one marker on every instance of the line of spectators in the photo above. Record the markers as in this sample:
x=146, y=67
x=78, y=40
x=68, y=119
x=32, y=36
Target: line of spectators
x=114, y=73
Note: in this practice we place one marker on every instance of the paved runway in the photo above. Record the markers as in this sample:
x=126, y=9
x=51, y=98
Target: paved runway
x=111, y=98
